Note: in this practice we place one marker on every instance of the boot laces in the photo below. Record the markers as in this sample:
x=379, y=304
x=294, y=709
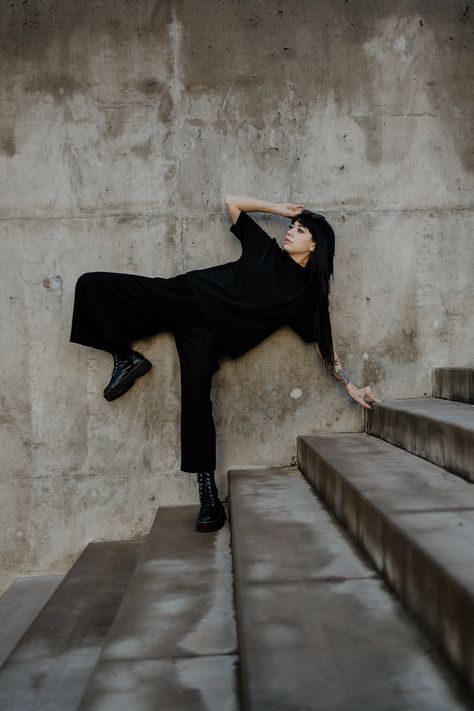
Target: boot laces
x=206, y=492
x=117, y=360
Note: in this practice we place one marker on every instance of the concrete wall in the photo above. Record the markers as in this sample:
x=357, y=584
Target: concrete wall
x=123, y=125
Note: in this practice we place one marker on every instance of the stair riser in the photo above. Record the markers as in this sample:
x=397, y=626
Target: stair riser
x=453, y=384
x=443, y=608
x=442, y=443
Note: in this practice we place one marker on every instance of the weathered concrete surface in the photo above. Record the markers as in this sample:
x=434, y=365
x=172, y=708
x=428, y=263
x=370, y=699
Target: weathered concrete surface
x=414, y=519
x=177, y=612
x=49, y=667
x=19, y=606
x=438, y=430
x=318, y=629
x=184, y=683
x=121, y=132
x=453, y=384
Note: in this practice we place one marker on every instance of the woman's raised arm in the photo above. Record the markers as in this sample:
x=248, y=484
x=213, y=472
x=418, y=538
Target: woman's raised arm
x=236, y=203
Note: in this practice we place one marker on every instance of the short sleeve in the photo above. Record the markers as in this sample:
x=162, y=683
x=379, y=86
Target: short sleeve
x=250, y=233
x=303, y=325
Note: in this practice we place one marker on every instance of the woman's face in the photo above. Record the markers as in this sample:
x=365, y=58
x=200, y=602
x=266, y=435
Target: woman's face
x=298, y=239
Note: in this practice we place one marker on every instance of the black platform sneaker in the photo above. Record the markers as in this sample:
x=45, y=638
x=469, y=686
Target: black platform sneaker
x=127, y=368
x=212, y=513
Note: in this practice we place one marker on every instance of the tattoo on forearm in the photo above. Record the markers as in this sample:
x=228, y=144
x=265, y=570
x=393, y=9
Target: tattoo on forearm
x=337, y=370
x=339, y=373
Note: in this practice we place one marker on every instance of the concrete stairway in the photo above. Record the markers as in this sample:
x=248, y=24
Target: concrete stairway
x=413, y=518
x=288, y=606
x=318, y=628
x=19, y=606
x=441, y=431
x=52, y=661
x=173, y=643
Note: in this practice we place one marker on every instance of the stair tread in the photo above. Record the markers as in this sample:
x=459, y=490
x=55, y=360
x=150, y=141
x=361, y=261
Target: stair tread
x=441, y=431
x=49, y=667
x=175, y=617
x=455, y=413
x=307, y=599
x=427, y=502
x=20, y=604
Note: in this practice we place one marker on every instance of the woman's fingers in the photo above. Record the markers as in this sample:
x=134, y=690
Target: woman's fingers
x=363, y=403
x=294, y=209
x=290, y=210
x=359, y=395
x=370, y=394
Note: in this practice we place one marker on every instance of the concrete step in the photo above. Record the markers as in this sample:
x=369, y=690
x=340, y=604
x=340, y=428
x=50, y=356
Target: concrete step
x=173, y=643
x=50, y=665
x=454, y=384
x=416, y=522
x=440, y=431
x=20, y=604
x=318, y=628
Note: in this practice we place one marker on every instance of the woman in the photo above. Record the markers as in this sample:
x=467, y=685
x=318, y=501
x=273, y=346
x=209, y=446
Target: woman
x=225, y=309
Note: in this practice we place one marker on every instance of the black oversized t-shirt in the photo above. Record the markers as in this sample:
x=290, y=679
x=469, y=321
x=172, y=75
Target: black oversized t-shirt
x=247, y=300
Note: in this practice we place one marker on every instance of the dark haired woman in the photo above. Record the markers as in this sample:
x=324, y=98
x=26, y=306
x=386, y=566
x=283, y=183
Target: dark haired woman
x=224, y=309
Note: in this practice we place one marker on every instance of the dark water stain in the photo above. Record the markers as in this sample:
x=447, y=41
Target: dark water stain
x=401, y=345
x=451, y=85
x=373, y=372
x=155, y=89
x=7, y=140
x=143, y=150
x=258, y=59
x=372, y=128
x=58, y=85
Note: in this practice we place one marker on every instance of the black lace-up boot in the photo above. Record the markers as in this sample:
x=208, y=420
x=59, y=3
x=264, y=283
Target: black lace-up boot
x=127, y=367
x=212, y=513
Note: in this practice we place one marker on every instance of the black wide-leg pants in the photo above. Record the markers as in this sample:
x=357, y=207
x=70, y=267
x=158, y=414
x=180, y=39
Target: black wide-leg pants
x=112, y=309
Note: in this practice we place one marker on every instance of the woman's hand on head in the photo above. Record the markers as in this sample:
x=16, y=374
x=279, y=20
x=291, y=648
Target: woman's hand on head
x=360, y=395
x=288, y=209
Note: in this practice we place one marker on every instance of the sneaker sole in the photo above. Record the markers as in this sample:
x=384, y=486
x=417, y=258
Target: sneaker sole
x=212, y=525
x=140, y=369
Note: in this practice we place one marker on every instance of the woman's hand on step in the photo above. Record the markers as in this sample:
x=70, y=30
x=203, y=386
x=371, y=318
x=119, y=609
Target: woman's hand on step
x=361, y=394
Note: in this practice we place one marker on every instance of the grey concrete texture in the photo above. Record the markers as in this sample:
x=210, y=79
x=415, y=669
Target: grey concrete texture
x=416, y=522
x=121, y=133
x=456, y=383
x=49, y=668
x=177, y=684
x=19, y=606
x=438, y=430
x=322, y=632
x=178, y=609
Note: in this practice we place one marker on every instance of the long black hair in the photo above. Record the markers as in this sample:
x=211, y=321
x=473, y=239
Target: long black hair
x=321, y=266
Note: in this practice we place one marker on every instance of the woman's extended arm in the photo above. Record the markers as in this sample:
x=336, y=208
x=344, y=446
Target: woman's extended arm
x=236, y=203
x=357, y=394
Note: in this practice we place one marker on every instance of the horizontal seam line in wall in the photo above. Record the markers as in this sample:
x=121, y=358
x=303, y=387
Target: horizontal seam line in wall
x=137, y=215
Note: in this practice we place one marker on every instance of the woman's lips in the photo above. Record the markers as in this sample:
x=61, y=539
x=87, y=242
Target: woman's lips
x=288, y=240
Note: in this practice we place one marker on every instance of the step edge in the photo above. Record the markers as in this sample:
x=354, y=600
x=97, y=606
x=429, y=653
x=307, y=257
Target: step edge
x=462, y=670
